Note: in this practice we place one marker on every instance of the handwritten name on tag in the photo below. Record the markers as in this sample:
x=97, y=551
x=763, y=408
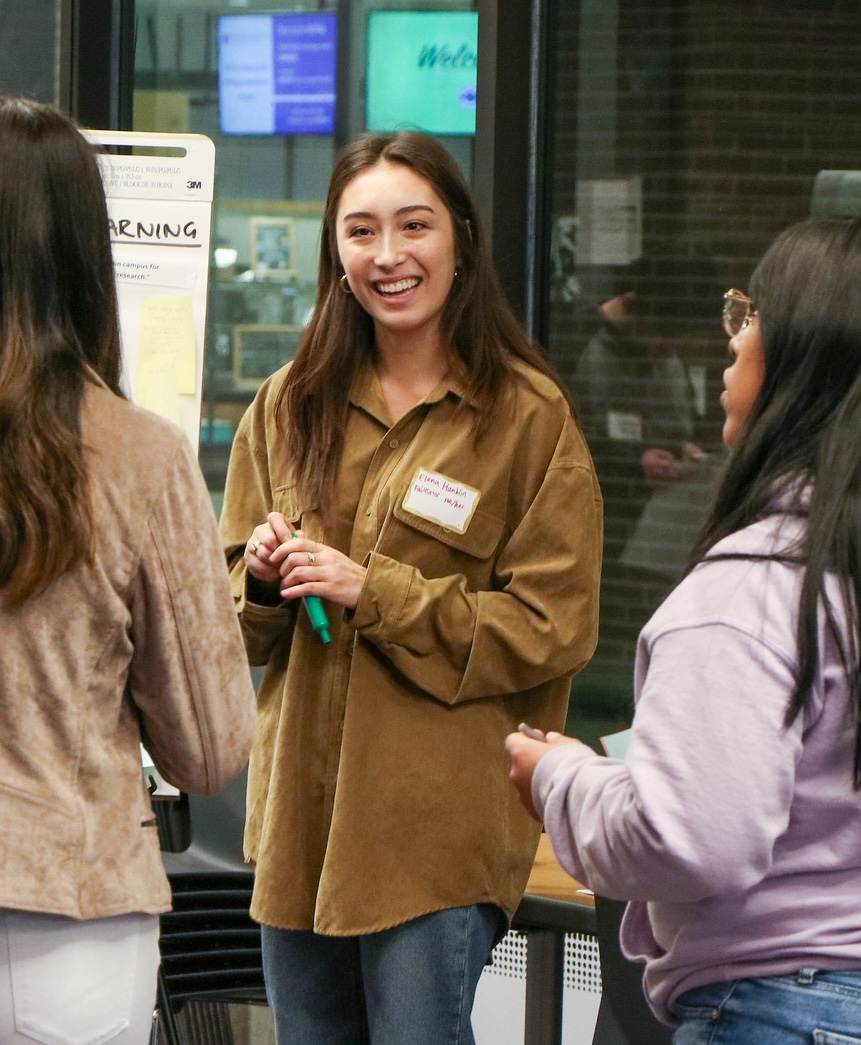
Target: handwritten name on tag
x=442, y=500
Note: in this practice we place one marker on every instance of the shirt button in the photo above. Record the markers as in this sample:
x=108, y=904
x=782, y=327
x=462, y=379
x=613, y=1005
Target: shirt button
x=394, y=444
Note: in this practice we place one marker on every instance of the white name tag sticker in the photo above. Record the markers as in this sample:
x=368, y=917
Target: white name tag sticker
x=435, y=497
x=627, y=428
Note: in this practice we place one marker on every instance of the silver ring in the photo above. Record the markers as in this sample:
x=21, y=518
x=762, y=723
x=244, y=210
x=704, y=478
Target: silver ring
x=312, y=557
x=255, y=544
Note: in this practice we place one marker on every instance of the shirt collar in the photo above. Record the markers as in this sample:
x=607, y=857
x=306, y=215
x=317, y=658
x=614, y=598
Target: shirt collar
x=364, y=391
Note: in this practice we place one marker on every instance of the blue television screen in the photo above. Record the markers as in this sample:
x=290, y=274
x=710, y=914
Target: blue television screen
x=276, y=73
x=422, y=68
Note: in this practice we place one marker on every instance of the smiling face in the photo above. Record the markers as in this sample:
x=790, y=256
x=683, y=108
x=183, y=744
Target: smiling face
x=742, y=379
x=396, y=243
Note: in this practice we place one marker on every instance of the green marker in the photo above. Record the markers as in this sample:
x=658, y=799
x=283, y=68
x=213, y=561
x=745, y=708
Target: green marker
x=317, y=616
x=317, y=613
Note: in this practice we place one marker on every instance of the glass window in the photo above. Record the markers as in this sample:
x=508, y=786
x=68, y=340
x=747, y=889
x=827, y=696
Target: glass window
x=276, y=87
x=684, y=137
x=32, y=60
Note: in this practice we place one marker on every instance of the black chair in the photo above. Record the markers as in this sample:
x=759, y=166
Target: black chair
x=545, y=922
x=210, y=947
x=210, y=955
x=624, y=1018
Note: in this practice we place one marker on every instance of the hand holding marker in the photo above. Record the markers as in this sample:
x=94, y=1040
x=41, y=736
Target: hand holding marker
x=316, y=613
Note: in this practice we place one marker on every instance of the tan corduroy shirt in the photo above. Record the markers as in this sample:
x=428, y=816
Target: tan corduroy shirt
x=140, y=643
x=378, y=785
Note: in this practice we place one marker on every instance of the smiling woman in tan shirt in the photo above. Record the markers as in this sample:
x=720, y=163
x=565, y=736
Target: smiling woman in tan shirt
x=445, y=509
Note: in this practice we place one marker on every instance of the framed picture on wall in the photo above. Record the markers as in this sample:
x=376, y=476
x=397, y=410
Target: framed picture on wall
x=259, y=351
x=273, y=246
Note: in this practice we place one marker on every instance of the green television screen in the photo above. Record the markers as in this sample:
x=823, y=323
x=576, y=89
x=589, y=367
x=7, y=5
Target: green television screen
x=422, y=71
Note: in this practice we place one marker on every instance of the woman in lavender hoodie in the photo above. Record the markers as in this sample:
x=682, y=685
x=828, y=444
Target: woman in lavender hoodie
x=733, y=826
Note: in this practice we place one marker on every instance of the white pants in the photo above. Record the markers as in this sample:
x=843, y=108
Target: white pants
x=64, y=982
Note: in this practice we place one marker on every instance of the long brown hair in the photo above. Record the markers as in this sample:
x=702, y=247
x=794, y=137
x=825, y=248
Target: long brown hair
x=477, y=321
x=58, y=323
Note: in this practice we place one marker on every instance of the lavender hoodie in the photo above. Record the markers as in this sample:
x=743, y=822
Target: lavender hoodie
x=737, y=841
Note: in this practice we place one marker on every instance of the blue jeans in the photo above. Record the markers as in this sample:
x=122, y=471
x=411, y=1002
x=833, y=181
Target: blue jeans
x=808, y=1008
x=414, y=983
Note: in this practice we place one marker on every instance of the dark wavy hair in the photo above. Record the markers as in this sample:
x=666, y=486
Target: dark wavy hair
x=802, y=438
x=58, y=324
x=478, y=325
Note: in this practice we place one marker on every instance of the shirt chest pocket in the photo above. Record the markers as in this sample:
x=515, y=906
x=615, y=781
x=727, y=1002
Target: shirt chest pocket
x=285, y=500
x=439, y=551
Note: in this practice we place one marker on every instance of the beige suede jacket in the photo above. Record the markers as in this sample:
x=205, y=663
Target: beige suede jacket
x=140, y=644
x=378, y=785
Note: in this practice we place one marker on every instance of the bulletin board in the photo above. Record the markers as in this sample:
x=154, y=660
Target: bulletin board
x=159, y=189
x=259, y=351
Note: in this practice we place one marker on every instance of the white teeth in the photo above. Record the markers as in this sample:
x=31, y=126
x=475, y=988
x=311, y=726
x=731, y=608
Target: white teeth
x=398, y=287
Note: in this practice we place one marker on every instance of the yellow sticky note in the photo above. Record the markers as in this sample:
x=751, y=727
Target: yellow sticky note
x=155, y=389
x=167, y=339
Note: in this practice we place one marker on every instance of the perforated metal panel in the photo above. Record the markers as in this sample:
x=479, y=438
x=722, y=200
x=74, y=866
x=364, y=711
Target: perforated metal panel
x=582, y=968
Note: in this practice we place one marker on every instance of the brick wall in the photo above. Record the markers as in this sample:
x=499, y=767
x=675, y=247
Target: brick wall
x=725, y=113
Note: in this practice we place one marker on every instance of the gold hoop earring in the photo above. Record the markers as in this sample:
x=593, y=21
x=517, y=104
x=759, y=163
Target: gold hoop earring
x=344, y=285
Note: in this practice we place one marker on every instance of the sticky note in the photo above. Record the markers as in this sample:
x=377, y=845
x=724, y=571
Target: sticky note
x=616, y=744
x=167, y=339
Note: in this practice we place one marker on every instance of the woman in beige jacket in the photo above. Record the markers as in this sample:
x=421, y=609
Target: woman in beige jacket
x=115, y=614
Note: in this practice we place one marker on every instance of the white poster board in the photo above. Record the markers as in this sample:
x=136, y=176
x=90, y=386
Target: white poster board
x=159, y=195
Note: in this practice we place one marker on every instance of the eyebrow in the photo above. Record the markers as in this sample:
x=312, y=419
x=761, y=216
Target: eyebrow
x=410, y=208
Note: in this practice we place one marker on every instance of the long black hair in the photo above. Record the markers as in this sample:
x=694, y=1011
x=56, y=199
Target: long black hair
x=802, y=440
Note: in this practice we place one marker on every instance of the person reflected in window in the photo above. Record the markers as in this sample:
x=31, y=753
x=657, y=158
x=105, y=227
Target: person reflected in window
x=635, y=397
x=635, y=400
x=116, y=616
x=733, y=825
x=419, y=469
